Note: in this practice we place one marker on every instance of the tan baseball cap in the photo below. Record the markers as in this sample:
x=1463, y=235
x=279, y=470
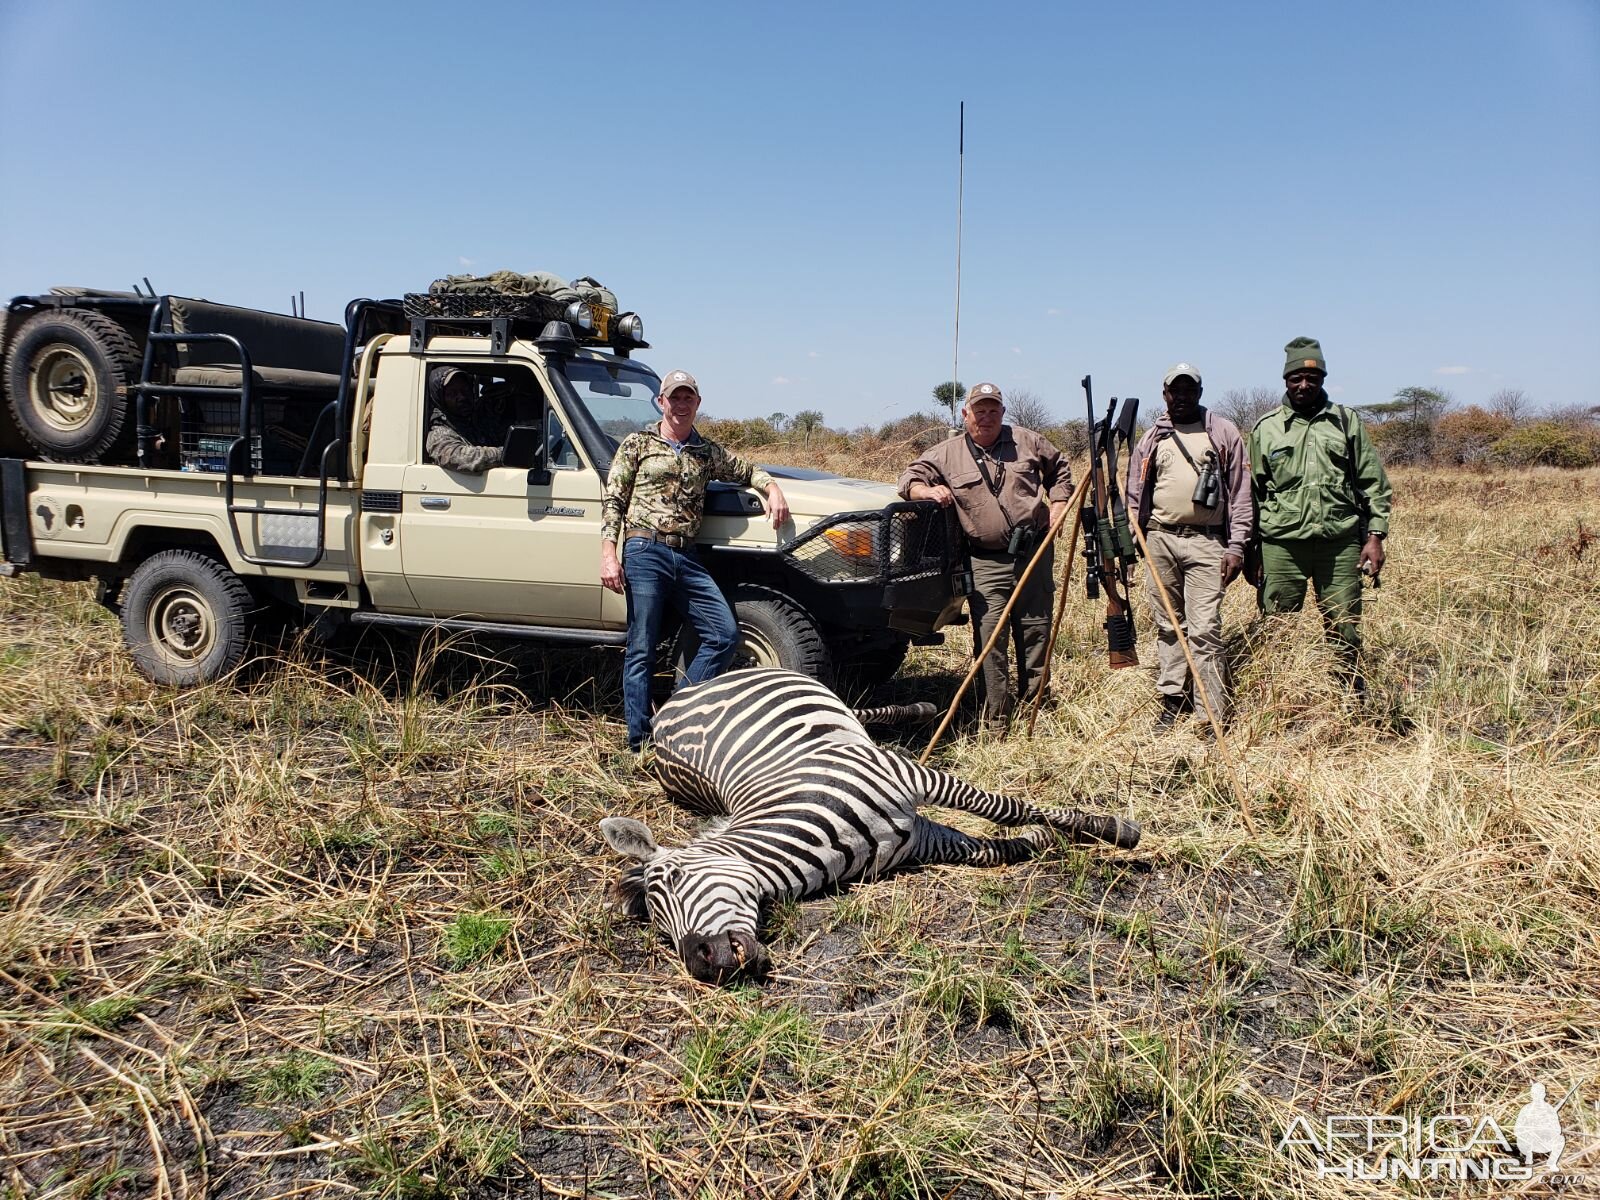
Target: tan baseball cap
x=1180, y=369
x=673, y=380
x=985, y=391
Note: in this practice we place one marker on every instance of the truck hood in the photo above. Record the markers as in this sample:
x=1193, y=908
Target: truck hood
x=816, y=494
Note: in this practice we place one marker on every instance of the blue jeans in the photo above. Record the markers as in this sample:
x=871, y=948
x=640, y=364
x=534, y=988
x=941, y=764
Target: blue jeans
x=659, y=578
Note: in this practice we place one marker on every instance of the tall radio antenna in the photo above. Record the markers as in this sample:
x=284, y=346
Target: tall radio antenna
x=961, y=169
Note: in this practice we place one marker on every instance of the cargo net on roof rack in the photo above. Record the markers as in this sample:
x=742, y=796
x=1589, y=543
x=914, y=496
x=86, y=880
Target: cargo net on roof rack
x=900, y=542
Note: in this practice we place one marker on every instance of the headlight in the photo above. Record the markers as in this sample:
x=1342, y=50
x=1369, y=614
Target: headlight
x=628, y=327
x=580, y=316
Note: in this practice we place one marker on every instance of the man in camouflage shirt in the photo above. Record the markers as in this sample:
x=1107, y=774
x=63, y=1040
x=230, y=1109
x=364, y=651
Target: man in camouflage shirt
x=1322, y=500
x=465, y=431
x=655, y=499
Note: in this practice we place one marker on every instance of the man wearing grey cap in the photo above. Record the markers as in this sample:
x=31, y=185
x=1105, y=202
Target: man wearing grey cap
x=1189, y=489
x=1008, y=485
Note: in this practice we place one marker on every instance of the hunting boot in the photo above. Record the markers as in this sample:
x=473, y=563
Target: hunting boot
x=1172, y=707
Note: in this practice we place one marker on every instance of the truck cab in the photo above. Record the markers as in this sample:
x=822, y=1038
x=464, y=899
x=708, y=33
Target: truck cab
x=359, y=525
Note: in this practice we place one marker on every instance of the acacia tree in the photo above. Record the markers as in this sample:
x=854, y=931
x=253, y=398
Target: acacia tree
x=950, y=395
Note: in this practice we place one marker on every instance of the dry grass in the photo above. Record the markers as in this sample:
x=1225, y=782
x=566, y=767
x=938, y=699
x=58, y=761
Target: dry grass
x=339, y=927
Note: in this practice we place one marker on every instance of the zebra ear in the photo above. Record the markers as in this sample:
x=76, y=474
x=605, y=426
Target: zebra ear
x=629, y=838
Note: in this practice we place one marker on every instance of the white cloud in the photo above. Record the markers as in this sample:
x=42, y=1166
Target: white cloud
x=1016, y=349
x=781, y=380
x=812, y=354
x=1052, y=312
x=1335, y=390
x=466, y=262
x=1452, y=370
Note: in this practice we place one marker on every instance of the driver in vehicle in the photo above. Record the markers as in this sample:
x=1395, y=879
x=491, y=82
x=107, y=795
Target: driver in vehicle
x=465, y=433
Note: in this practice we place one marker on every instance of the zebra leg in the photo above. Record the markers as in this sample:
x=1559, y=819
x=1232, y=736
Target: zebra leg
x=947, y=791
x=896, y=714
x=933, y=843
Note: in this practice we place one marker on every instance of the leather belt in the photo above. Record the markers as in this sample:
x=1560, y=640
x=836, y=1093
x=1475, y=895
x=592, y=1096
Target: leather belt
x=1210, y=531
x=676, y=540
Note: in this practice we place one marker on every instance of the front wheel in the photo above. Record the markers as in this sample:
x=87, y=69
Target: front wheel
x=774, y=631
x=185, y=618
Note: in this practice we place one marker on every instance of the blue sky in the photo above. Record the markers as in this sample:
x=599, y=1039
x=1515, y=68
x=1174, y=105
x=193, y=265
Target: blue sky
x=1417, y=184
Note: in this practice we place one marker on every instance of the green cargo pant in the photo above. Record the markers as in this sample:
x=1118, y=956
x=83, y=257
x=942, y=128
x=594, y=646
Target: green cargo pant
x=994, y=577
x=1333, y=567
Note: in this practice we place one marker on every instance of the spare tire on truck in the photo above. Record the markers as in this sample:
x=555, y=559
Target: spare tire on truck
x=68, y=373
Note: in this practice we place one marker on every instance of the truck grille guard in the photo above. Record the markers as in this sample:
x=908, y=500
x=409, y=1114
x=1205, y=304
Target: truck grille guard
x=913, y=539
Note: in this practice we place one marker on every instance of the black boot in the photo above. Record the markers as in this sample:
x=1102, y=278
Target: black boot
x=1172, y=707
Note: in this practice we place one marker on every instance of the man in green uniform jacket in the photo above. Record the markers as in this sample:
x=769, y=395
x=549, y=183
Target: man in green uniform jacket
x=1322, y=503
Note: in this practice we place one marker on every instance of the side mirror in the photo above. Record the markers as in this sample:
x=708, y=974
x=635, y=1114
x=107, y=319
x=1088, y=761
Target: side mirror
x=524, y=447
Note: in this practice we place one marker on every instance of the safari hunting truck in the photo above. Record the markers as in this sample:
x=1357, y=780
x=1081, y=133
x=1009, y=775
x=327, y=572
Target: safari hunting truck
x=206, y=465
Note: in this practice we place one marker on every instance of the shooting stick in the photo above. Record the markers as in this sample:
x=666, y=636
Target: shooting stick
x=1199, y=684
x=1000, y=624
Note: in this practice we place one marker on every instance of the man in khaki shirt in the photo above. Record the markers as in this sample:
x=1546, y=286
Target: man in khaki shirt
x=1008, y=486
x=1196, y=549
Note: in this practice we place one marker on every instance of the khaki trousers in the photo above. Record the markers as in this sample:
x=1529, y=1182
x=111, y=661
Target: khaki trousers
x=994, y=579
x=1191, y=569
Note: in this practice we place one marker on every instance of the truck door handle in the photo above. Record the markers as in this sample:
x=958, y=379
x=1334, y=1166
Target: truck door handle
x=436, y=502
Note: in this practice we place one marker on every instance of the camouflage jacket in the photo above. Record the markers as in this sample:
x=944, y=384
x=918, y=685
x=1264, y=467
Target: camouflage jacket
x=653, y=487
x=472, y=442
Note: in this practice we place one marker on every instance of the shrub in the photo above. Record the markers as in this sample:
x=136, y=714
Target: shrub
x=1467, y=437
x=1402, y=440
x=1548, y=444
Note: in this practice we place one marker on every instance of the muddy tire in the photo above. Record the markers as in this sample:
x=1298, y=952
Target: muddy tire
x=68, y=375
x=774, y=631
x=185, y=618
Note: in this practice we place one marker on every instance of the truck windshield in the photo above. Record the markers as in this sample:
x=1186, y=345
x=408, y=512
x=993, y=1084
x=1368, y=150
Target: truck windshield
x=619, y=394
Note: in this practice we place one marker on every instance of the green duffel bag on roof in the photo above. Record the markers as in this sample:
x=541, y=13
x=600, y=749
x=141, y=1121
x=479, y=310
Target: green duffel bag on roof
x=595, y=292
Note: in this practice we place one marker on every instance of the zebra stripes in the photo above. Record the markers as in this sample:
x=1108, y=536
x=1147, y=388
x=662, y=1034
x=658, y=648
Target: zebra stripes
x=803, y=801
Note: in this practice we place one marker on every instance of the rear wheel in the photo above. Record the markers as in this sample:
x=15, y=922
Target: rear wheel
x=185, y=618
x=67, y=380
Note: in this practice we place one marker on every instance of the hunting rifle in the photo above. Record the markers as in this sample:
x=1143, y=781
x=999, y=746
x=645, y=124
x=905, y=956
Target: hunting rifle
x=1108, y=548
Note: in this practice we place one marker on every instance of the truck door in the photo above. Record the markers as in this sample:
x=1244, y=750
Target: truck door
x=492, y=544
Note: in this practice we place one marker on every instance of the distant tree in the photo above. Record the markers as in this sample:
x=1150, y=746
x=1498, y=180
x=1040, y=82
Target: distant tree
x=1512, y=404
x=950, y=395
x=779, y=421
x=1245, y=408
x=1027, y=409
x=1403, y=428
x=806, y=422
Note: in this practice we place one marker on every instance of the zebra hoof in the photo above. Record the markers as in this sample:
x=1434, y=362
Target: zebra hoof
x=1120, y=832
